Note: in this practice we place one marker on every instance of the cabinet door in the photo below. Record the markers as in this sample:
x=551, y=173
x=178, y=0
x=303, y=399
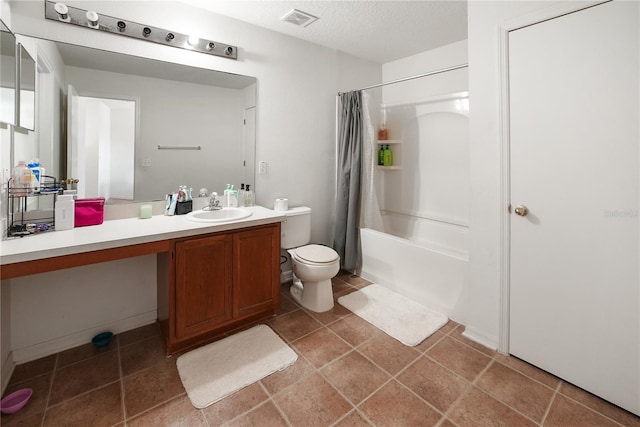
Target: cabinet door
x=257, y=270
x=203, y=284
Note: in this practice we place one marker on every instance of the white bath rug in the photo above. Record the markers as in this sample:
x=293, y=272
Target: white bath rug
x=215, y=371
x=403, y=319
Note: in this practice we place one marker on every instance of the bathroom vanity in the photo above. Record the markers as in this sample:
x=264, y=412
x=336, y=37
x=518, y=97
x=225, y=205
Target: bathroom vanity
x=212, y=278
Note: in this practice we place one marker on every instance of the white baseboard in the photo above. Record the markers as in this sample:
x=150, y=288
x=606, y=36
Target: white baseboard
x=36, y=351
x=473, y=335
x=7, y=370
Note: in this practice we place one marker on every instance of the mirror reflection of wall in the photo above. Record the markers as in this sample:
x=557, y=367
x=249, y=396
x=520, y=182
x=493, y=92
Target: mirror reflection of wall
x=104, y=162
x=7, y=76
x=176, y=105
x=27, y=85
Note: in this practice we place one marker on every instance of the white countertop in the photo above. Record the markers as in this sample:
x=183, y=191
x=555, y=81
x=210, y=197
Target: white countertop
x=121, y=232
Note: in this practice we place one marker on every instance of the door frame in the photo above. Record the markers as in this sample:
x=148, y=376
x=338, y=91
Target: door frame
x=537, y=17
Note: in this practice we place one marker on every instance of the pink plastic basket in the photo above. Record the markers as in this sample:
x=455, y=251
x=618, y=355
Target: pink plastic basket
x=89, y=211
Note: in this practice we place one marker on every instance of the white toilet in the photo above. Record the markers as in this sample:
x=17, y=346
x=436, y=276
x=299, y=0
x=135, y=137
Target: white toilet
x=313, y=265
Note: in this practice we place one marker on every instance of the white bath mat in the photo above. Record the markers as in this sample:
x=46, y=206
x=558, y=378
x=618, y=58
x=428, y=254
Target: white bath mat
x=219, y=369
x=403, y=319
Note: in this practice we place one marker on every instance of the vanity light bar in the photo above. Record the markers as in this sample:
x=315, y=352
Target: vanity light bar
x=90, y=19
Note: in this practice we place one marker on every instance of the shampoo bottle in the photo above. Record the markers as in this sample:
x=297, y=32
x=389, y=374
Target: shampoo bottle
x=388, y=156
x=381, y=155
x=64, y=215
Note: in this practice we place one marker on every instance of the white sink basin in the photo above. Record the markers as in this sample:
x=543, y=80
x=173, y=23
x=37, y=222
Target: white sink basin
x=221, y=215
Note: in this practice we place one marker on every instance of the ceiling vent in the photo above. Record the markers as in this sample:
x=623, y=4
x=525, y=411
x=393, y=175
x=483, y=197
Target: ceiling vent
x=299, y=18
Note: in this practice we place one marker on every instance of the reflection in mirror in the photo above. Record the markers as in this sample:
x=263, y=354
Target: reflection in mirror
x=27, y=86
x=7, y=75
x=140, y=104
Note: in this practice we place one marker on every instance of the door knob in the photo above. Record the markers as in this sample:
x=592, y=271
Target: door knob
x=521, y=210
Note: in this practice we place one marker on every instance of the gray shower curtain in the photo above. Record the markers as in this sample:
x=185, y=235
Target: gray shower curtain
x=346, y=239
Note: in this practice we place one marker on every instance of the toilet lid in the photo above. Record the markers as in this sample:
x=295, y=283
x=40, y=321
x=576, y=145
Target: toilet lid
x=317, y=253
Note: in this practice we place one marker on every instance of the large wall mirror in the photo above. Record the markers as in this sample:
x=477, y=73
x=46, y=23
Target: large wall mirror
x=7, y=75
x=135, y=129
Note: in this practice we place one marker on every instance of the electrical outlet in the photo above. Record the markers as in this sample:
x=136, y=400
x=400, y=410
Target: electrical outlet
x=146, y=162
x=262, y=167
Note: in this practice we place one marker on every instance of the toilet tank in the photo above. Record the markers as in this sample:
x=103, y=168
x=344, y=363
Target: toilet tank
x=296, y=229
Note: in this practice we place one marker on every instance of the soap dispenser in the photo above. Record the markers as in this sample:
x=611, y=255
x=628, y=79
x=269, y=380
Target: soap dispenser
x=248, y=196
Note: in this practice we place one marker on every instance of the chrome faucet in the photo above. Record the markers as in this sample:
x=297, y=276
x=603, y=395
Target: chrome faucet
x=214, y=203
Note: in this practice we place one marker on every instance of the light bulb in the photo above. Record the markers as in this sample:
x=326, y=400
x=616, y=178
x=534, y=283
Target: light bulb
x=62, y=10
x=193, y=40
x=92, y=17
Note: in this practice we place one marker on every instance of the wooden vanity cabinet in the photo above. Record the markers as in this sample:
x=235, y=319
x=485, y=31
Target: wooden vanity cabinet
x=218, y=283
x=203, y=284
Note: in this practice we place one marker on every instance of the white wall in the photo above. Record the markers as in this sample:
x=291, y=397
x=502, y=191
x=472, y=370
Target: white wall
x=54, y=311
x=436, y=59
x=482, y=299
x=296, y=90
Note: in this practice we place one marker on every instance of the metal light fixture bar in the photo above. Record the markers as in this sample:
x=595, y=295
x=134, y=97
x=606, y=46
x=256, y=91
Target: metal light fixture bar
x=60, y=12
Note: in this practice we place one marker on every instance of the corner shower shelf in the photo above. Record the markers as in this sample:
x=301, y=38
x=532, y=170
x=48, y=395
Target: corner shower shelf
x=397, y=158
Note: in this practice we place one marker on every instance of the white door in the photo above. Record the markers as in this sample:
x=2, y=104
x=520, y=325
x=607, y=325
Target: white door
x=249, y=146
x=574, y=119
x=74, y=169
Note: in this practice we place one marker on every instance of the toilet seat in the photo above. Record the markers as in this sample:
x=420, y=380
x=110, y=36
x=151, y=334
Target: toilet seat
x=316, y=255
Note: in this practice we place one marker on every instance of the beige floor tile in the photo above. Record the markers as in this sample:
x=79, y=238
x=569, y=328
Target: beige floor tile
x=437, y=385
x=394, y=405
x=388, y=353
x=478, y=409
x=294, y=325
x=177, y=412
x=264, y=415
x=151, y=387
x=321, y=347
x=353, y=329
x=312, y=402
x=516, y=390
x=354, y=376
x=84, y=376
x=616, y=413
x=565, y=412
x=234, y=405
x=99, y=408
x=460, y=358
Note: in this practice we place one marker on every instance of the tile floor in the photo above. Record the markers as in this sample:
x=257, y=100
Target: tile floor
x=348, y=374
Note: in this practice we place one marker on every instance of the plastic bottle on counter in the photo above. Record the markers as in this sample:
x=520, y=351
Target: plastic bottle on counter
x=38, y=173
x=21, y=180
x=241, y=196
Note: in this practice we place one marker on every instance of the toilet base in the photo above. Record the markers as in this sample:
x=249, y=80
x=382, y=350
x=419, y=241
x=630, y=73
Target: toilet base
x=314, y=296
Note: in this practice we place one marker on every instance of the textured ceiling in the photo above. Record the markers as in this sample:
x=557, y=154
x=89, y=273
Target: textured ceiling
x=377, y=30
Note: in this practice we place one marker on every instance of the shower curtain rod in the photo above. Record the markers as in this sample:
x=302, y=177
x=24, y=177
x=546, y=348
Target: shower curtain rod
x=430, y=73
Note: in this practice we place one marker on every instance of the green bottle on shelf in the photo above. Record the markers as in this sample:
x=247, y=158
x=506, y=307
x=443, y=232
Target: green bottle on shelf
x=388, y=156
x=381, y=155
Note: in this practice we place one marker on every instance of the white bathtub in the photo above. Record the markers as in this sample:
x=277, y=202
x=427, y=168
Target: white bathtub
x=429, y=265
